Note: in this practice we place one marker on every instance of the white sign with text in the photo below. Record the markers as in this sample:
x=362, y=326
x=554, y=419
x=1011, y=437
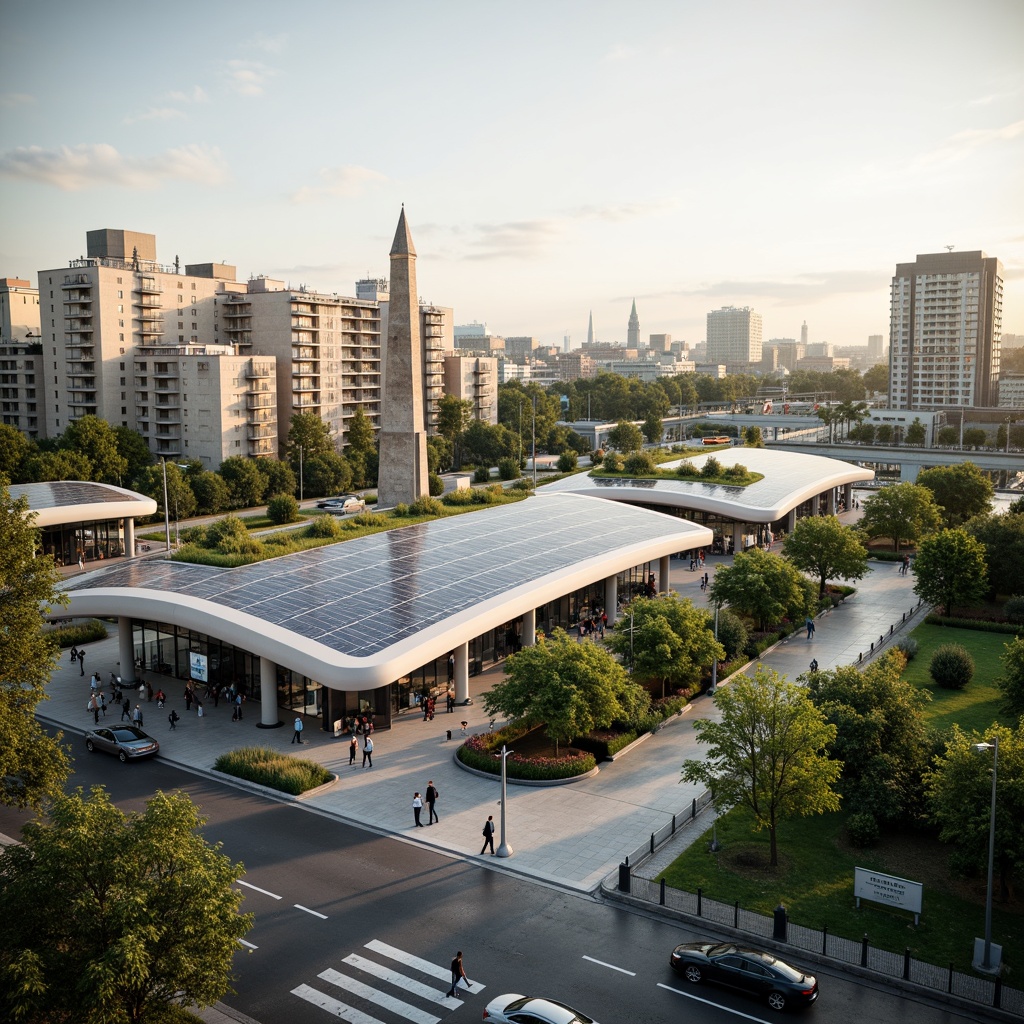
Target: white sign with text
x=888, y=889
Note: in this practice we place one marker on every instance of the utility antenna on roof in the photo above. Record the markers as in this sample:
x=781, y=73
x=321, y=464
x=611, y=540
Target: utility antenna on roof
x=950, y=248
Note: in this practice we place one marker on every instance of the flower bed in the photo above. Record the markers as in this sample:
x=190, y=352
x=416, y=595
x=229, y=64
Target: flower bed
x=269, y=768
x=478, y=752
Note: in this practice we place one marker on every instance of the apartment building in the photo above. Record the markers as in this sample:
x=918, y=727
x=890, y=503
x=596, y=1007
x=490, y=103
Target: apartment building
x=474, y=379
x=734, y=336
x=22, y=391
x=945, y=324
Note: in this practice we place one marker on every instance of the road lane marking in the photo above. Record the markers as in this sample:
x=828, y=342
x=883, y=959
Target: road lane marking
x=248, y=944
x=341, y=1010
x=708, y=1002
x=272, y=895
x=622, y=970
x=315, y=913
x=382, y=999
x=402, y=981
x=424, y=966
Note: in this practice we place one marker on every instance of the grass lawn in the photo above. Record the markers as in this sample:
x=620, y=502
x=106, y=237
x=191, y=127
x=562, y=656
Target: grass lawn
x=977, y=705
x=814, y=880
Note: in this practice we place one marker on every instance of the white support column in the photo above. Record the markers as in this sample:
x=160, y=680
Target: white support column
x=791, y=520
x=611, y=598
x=815, y=504
x=665, y=574
x=462, y=674
x=268, y=695
x=529, y=635
x=830, y=502
x=125, y=649
x=129, y=537
x=737, y=537
x=848, y=496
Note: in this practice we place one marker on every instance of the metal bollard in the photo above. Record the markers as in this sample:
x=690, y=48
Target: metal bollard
x=780, y=930
x=700, y=895
x=906, y=964
x=652, y=844
x=736, y=914
x=864, y=950
x=624, y=880
x=824, y=940
x=661, y=895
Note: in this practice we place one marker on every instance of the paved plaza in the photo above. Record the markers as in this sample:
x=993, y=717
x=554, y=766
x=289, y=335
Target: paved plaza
x=572, y=835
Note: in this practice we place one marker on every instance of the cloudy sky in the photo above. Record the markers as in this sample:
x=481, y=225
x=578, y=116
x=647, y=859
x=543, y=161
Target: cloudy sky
x=554, y=156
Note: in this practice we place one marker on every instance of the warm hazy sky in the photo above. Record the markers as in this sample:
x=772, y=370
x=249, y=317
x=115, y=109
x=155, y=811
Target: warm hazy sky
x=553, y=157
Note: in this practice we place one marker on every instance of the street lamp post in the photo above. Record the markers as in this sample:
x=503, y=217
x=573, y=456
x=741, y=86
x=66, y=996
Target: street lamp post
x=504, y=850
x=534, y=433
x=167, y=514
x=300, y=473
x=714, y=663
x=987, y=963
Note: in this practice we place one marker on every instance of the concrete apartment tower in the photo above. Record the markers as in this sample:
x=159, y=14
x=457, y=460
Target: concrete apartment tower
x=403, y=435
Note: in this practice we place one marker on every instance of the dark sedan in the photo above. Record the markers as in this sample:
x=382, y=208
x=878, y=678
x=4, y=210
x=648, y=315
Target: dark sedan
x=128, y=742
x=750, y=970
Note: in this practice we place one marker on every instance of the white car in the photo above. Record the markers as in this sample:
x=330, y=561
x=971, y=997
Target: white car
x=346, y=505
x=512, y=1008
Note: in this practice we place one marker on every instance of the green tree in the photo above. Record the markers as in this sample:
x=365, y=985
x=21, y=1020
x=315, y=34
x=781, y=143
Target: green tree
x=959, y=789
x=307, y=431
x=1011, y=682
x=948, y=436
x=57, y=465
x=626, y=437
x=884, y=433
x=669, y=640
x=761, y=584
x=212, y=494
x=753, y=438
x=570, y=687
x=653, y=428
x=822, y=547
x=950, y=570
x=903, y=512
x=975, y=437
x=111, y=916
x=453, y=417
x=877, y=378
x=132, y=447
x=439, y=454
x=961, y=491
x=33, y=765
x=15, y=452
x=881, y=737
x=283, y=508
x=359, y=433
x=916, y=432
x=767, y=753
x=326, y=474
x=278, y=477
x=246, y=483
x=181, y=500
x=95, y=439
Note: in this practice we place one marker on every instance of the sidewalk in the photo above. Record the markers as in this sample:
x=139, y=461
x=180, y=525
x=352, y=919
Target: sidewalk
x=572, y=836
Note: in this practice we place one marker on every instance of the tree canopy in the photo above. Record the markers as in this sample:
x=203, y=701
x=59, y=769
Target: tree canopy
x=769, y=752
x=626, y=437
x=110, y=916
x=902, y=512
x=1003, y=537
x=761, y=584
x=950, y=570
x=571, y=687
x=96, y=440
x=826, y=549
x=961, y=491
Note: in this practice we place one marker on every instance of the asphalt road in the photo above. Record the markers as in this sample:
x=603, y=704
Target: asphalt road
x=361, y=908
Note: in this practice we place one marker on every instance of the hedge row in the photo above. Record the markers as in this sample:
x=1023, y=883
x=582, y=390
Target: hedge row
x=984, y=625
x=78, y=633
x=269, y=768
x=478, y=752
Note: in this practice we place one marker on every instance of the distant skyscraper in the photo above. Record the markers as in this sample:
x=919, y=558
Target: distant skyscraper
x=876, y=346
x=945, y=325
x=403, y=435
x=803, y=334
x=566, y=342
x=633, y=330
x=590, y=329
x=734, y=336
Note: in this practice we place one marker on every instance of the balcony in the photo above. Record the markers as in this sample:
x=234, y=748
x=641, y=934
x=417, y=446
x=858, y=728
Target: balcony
x=258, y=430
x=259, y=371
x=148, y=286
x=76, y=281
x=262, y=447
x=259, y=401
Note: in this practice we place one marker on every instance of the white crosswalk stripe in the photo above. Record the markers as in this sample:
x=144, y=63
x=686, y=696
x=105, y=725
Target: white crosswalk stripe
x=390, y=1005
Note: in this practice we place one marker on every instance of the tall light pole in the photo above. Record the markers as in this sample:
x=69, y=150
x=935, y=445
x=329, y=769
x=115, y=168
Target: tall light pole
x=986, y=963
x=504, y=850
x=167, y=514
x=300, y=472
x=714, y=664
x=520, y=432
x=534, y=442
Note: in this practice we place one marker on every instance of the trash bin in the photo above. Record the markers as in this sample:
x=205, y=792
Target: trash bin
x=624, y=882
x=781, y=924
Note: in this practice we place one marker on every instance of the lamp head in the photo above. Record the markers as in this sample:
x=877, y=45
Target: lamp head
x=982, y=747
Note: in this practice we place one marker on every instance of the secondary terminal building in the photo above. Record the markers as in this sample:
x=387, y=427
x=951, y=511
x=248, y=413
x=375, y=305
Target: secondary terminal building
x=364, y=625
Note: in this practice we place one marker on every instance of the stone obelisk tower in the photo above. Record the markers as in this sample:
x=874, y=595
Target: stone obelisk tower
x=403, y=435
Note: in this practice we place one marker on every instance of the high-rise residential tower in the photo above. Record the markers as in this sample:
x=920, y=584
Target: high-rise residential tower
x=734, y=336
x=945, y=324
x=633, y=330
x=403, y=473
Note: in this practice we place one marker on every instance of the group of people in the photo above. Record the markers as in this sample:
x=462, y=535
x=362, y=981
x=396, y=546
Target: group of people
x=696, y=560
x=430, y=797
x=592, y=623
x=905, y=565
x=353, y=747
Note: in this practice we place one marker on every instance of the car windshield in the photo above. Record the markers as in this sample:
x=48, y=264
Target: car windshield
x=129, y=733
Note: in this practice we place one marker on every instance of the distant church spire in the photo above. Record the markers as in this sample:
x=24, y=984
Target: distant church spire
x=633, y=331
x=590, y=329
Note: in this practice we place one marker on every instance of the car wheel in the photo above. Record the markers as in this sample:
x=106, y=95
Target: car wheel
x=776, y=1000
x=90, y=746
x=692, y=973
x=122, y=757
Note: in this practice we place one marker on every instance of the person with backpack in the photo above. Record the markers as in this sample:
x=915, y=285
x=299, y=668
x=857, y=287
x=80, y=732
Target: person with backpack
x=173, y=719
x=297, y=736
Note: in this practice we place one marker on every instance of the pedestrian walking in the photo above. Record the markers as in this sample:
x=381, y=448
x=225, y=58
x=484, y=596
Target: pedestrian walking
x=199, y=709
x=814, y=664
x=126, y=710
x=137, y=716
x=417, y=808
x=451, y=668
x=458, y=974
x=188, y=698
x=810, y=628
x=352, y=747
x=142, y=690
x=464, y=727
x=173, y=719
x=94, y=707
x=74, y=653
x=239, y=700
x=431, y=796
x=368, y=752
x=81, y=563
x=81, y=662
x=449, y=699
x=488, y=835
x=297, y=735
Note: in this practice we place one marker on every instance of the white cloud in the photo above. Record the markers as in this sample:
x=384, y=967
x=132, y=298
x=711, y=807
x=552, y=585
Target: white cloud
x=618, y=53
x=347, y=181
x=524, y=239
x=72, y=168
x=197, y=94
x=15, y=99
x=963, y=144
x=156, y=114
x=267, y=43
x=248, y=77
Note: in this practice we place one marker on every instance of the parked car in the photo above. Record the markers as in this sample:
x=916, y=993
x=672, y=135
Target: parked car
x=129, y=742
x=750, y=970
x=346, y=504
x=516, y=1009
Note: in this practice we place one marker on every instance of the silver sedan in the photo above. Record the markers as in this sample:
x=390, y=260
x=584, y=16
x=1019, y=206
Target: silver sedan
x=128, y=742
x=517, y=1009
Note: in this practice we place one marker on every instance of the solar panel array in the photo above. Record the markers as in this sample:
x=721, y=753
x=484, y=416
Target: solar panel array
x=364, y=595
x=60, y=493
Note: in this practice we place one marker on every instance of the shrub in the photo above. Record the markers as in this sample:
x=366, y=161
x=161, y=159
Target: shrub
x=596, y=457
x=732, y=634
x=508, y=469
x=464, y=496
x=666, y=707
x=712, y=467
x=908, y=647
x=482, y=496
x=282, y=508
x=736, y=471
x=522, y=484
x=687, y=468
x=640, y=463
x=435, y=485
x=225, y=533
x=862, y=829
x=77, y=633
x=477, y=752
x=194, y=535
x=269, y=768
x=367, y=519
x=567, y=462
x=604, y=745
x=401, y=509
x=426, y=507
x=985, y=625
x=1014, y=609
x=952, y=666
x=482, y=474
x=613, y=462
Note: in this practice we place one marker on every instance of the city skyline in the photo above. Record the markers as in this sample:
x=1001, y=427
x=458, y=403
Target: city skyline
x=783, y=158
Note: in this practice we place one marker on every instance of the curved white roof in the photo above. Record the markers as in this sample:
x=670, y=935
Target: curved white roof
x=360, y=614
x=790, y=478
x=80, y=501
